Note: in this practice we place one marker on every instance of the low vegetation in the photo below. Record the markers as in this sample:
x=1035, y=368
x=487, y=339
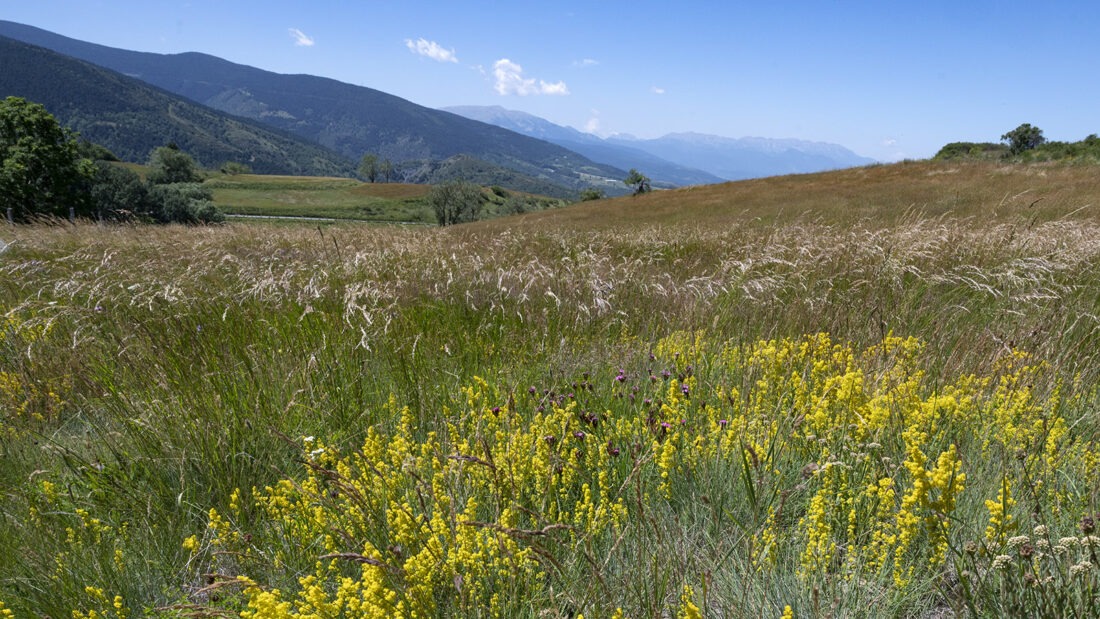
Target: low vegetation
x=863, y=393
x=1025, y=144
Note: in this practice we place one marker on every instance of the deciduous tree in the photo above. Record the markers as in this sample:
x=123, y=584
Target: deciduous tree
x=168, y=164
x=1024, y=137
x=637, y=181
x=455, y=202
x=368, y=167
x=41, y=170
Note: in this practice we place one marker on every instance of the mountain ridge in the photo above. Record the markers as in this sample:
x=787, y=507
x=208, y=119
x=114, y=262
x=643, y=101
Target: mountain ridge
x=748, y=157
x=131, y=118
x=683, y=158
x=352, y=121
x=664, y=173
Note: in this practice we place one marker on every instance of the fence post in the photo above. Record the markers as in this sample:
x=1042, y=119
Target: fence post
x=72, y=215
x=11, y=216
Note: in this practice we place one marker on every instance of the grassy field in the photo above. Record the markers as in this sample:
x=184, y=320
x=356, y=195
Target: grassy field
x=338, y=198
x=863, y=393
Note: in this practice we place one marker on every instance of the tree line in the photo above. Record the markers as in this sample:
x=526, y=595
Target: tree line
x=1024, y=143
x=45, y=171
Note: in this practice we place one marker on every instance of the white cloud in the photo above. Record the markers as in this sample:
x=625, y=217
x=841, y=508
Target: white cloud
x=592, y=126
x=510, y=81
x=431, y=49
x=889, y=142
x=587, y=62
x=301, y=39
x=657, y=90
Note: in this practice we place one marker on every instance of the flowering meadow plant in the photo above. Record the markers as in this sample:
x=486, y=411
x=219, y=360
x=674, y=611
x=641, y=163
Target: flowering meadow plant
x=768, y=418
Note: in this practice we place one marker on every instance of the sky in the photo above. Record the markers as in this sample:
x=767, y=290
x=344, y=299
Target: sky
x=889, y=80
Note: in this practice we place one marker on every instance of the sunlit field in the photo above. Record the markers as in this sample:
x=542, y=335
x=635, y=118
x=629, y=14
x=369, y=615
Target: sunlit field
x=713, y=402
x=338, y=198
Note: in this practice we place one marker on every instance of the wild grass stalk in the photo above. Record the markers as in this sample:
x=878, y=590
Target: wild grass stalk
x=513, y=384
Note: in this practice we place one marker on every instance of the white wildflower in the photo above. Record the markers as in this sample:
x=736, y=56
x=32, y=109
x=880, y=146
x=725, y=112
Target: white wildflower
x=1080, y=568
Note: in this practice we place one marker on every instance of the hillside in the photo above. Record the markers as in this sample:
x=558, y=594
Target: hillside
x=876, y=195
x=131, y=118
x=351, y=120
x=544, y=404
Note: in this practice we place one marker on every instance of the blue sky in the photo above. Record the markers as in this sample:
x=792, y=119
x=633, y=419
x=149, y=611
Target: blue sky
x=888, y=80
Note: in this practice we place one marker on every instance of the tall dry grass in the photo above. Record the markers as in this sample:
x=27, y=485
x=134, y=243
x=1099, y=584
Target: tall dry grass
x=151, y=372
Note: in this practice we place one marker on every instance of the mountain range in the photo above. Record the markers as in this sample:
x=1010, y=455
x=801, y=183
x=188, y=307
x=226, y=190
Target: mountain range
x=680, y=158
x=220, y=111
x=350, y=120
x=662, y=171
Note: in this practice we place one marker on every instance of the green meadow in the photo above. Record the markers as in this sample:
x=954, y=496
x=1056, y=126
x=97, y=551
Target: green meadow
x=336, y=198
x=861, y=393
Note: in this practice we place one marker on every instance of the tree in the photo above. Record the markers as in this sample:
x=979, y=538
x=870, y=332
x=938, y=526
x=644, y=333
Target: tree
x=1024, y=137
x=233, y=168
x=175, y=189
x=455, y=202
x=185, y=203
x=168, y=164
x=368, y=167
x=386, y=169
x=41, y=170
x=119, y=194
x=637, y=181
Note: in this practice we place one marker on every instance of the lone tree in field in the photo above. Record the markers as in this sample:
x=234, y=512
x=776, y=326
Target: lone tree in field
x=368, y=167
x=1024, y=137
x=637, y=181
x=455, y=202
x=41, y=170
x=386, y=170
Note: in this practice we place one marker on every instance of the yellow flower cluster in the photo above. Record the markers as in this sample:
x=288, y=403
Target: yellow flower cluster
x=688, y=609
x=102, y=606
x=848, y=460
x=21, y=398
x=1001, y=522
